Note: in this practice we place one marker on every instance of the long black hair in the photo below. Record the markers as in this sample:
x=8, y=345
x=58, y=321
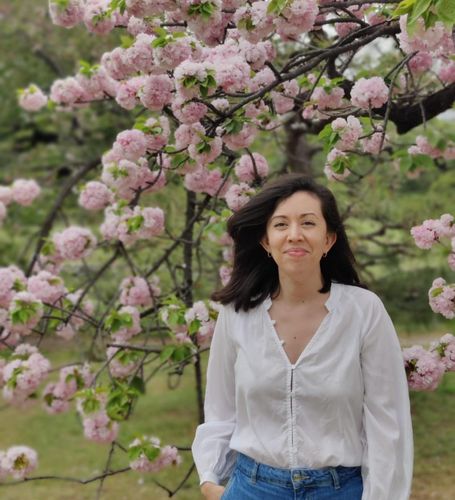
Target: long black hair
x=255, y=275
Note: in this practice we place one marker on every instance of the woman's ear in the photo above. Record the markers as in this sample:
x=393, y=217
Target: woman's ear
x=330, y=240
x=265, y=243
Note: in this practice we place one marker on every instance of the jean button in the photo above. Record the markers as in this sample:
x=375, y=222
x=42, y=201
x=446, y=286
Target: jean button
x=296, y=476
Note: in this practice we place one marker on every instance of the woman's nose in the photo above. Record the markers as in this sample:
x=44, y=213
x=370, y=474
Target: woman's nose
x=295, y=232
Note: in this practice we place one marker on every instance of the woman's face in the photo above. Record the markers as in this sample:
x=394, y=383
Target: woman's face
x=296, y=233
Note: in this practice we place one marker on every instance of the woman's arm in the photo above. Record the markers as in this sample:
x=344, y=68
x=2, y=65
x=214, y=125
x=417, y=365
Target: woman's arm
x=213, y=457
x=388, y=448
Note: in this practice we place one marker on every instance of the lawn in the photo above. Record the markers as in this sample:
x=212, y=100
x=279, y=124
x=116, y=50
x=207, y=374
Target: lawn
x=171, y=415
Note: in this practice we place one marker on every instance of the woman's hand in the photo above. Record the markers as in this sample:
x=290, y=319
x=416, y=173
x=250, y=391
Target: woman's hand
x=212, y=491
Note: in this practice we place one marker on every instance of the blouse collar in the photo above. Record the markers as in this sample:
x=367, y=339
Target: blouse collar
x=330, y=303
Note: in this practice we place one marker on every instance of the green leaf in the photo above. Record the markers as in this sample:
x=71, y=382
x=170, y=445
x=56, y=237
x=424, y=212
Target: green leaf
x=134, y=223
x=138, y=384
x=419, y=7
x=167, y=352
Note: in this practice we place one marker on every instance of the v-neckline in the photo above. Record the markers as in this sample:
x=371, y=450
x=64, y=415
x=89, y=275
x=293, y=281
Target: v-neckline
x=271, y=323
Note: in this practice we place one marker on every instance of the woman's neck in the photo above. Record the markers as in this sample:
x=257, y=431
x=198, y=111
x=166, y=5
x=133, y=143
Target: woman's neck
x=295, y=291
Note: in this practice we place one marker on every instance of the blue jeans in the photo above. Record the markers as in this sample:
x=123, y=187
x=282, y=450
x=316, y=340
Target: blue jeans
x=252, y=480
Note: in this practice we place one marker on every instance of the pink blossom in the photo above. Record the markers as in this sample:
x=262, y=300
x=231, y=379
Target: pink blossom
x=447, y=72
x=190, y=76
x=212, y=150
x=205, y=333
x=54, y=404
x=32, y=98
x=12, y=280
x=68, y=14
x=152, y=181
x=131, y=144
x=153, y=221
x=136, y=291
x=156, y=92
x=46, y=287
x=334, y=156
x=423, y=368
x=372, y=144
x=203, y=180
x=25, y=312
x=100, y=428
x=445, y=348
x=95, y=196
x=119, y=366
x=19, y=461
x=247, y=171
x=233, y=74
x=156, y=133
x=25, y=191
x=420, y=63
x=23, y=373
x=255, y=55
x=125, y=333
x=139, y=57
x=6, y=195
x=66, y=92
x=127, y=91
x=253, y=22
x=349, y=131
x=188, y=111
x=238, y=195
x=433, y=39
x=423, y=147
x=298, y=17
x=95, y=18
x=122, y=177
x=242, y=139
x=74, y=243
x=173, y=53
x=262, y=78
x=328, y=99
x=442, y=298
x=115, y=63
x=369, y=92
x=225, y=274
x=431, y=230
x=168, y=455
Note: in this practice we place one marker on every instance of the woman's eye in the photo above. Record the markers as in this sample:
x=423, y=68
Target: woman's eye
x=309, y=223
x=279, y=224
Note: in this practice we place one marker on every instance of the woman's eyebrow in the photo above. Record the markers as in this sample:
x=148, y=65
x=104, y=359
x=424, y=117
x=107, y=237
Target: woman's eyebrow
x=301, y=215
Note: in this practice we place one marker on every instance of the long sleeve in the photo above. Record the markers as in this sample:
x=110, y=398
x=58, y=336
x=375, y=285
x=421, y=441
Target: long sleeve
x=388, y=448
x=213, y=457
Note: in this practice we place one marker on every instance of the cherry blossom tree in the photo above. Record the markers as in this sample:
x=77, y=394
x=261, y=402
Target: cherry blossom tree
x=202, y=80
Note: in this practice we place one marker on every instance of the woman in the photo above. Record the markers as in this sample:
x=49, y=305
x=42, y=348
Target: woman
x=306, y=392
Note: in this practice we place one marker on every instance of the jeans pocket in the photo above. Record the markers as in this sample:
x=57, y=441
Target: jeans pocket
x=228, y=487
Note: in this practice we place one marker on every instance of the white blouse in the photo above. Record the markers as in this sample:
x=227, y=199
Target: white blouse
x=344, y=402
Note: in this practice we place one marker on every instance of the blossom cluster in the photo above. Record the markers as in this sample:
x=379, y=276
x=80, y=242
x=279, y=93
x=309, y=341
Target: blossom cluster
x=147, y=455
x=98, y=426
x=57, y=395
x=22, y=191
x=423, y=147
x=23, y=373
x=18, y=462
x=425, y=368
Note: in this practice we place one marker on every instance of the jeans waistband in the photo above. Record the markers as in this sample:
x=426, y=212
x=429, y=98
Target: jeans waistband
x=289, y=477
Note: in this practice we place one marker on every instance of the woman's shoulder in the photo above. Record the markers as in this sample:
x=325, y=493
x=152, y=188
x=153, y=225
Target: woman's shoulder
x=357, y=296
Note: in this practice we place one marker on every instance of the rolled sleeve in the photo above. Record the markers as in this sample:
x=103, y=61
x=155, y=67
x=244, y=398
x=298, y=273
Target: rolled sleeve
x=211, y=452
x=388, y=443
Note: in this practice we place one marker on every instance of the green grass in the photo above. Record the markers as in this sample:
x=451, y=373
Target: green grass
x=172, y=416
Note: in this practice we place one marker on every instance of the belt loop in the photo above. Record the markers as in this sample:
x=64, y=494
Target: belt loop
x=336, y=479
x=254, y=472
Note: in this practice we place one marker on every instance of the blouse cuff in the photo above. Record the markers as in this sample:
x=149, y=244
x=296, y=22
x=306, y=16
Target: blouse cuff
x=209, y=476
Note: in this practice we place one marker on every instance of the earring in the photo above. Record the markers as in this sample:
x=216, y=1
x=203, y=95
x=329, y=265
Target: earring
x=324, y=255
x=269, y=255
